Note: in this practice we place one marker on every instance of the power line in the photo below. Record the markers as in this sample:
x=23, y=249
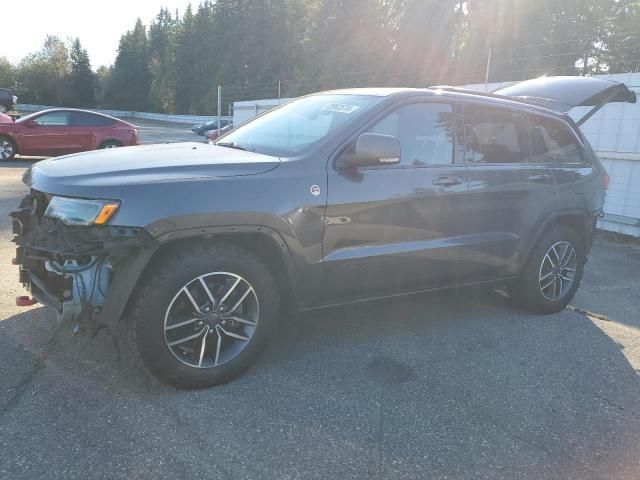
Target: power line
x=563, y=42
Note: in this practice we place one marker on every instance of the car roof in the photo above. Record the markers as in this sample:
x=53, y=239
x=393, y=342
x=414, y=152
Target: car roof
x=91, y=112
x=447, y=91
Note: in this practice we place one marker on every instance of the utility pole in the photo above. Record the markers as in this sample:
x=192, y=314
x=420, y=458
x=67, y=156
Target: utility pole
x=279, y=92
x=487, y=71
x=219, y=107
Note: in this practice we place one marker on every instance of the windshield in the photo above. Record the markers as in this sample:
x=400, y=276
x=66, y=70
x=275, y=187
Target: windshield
x=296, y=126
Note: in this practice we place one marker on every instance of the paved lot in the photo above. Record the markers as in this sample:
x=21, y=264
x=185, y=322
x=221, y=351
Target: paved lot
x=456, y=385
x=161, y=132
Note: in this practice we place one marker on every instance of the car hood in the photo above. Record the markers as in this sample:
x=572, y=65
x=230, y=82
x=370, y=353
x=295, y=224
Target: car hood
x=176, y=162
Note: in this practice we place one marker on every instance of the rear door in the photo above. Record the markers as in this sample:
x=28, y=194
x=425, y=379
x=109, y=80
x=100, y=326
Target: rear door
x=47, y=134
x=84, y=129
x=508, y=193
x=389, y=229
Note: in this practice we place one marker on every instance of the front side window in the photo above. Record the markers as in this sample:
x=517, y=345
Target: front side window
x=553, y=142
x=425, y=130
x=53, y=119
x=289, y=130
x=494, y=135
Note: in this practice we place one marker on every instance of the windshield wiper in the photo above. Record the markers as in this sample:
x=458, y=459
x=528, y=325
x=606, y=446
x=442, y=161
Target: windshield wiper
x=233, y=145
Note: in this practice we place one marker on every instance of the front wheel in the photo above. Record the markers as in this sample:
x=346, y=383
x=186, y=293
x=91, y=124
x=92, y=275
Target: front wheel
x=7, y=149
x=205, y=315
x=552, y=275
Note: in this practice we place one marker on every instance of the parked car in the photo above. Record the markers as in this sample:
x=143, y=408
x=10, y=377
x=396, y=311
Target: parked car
x=200, y=129
x=211, y=135
x=62, y=131
x=334, y=198
x=8, y=100
x=4, y=118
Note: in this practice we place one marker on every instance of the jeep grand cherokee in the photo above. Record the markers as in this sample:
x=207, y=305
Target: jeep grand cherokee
x=333, y=198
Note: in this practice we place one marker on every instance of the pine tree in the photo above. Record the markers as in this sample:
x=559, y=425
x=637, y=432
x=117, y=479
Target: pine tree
x=185, y=64
x=162, y=62
x=82, y=78
x=131, y=80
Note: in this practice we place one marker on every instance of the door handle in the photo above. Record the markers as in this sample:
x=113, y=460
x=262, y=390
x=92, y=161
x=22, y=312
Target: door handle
x=447, y=181
x=538, y=177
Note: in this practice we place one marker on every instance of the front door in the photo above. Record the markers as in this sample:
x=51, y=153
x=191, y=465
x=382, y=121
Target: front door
x=47, y=134
x=389, y=229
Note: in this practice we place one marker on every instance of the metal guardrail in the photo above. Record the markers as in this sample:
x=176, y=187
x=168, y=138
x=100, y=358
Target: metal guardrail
x=160, y=117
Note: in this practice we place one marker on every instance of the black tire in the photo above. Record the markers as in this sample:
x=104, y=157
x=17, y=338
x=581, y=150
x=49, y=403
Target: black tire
x=110, y=144
x=167, y=279
x=8, y=149
x=527, y=292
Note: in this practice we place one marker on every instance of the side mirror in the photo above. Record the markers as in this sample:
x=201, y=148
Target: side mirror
x=374, y=149
x=31, y=124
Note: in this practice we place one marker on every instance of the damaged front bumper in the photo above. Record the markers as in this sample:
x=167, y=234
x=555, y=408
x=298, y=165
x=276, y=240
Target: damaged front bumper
x=72, y=268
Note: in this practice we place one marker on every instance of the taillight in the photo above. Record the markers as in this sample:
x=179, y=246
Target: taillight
x=605, y=182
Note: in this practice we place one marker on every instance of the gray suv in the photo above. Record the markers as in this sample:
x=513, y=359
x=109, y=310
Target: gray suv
x=334, y=198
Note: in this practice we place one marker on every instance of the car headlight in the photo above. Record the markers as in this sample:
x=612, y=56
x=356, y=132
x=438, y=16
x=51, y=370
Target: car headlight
x=77, y=211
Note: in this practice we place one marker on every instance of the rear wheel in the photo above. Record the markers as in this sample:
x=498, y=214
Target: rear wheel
x=205, y=315
x=553, y=273
x=7, y=149
x=110, y=144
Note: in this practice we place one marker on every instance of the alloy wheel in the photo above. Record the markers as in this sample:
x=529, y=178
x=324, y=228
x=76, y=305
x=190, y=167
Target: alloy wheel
x=6, y=150
x=557, y=271
x=211, y=319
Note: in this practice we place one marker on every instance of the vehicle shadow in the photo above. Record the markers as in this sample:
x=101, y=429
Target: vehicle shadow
x=454, y=384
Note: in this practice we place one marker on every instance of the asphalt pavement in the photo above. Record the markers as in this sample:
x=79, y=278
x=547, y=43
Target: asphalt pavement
x=449, y=385
x=163, y=132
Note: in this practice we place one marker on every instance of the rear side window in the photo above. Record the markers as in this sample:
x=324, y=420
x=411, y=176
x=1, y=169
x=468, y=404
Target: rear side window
x=425, y=130
x=83, y=119
x=494, y=135
x=553, y=142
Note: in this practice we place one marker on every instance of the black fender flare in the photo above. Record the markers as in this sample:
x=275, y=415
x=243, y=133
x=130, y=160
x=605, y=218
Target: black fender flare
x=587, y=218
x=129, y=271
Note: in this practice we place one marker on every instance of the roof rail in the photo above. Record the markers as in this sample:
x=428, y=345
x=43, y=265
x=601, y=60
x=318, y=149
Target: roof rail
x=450, y=88
x=523, y=100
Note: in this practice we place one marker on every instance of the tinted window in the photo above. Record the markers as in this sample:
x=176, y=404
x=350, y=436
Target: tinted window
x=425, y=132
x=82, y=119
x=553, y=142
x=494, y=135
x=58, y=119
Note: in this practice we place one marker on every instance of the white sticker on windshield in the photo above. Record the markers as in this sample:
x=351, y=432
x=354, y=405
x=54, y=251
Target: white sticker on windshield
x=340, y=107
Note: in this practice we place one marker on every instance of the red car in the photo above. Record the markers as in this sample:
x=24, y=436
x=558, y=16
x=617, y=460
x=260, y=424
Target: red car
x=213, y=134
x=62, y=131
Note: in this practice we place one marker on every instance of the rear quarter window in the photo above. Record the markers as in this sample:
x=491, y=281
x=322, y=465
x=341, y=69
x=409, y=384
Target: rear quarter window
x=553, y=142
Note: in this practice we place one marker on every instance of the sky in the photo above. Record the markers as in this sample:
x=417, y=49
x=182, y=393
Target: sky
x=98, y=24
